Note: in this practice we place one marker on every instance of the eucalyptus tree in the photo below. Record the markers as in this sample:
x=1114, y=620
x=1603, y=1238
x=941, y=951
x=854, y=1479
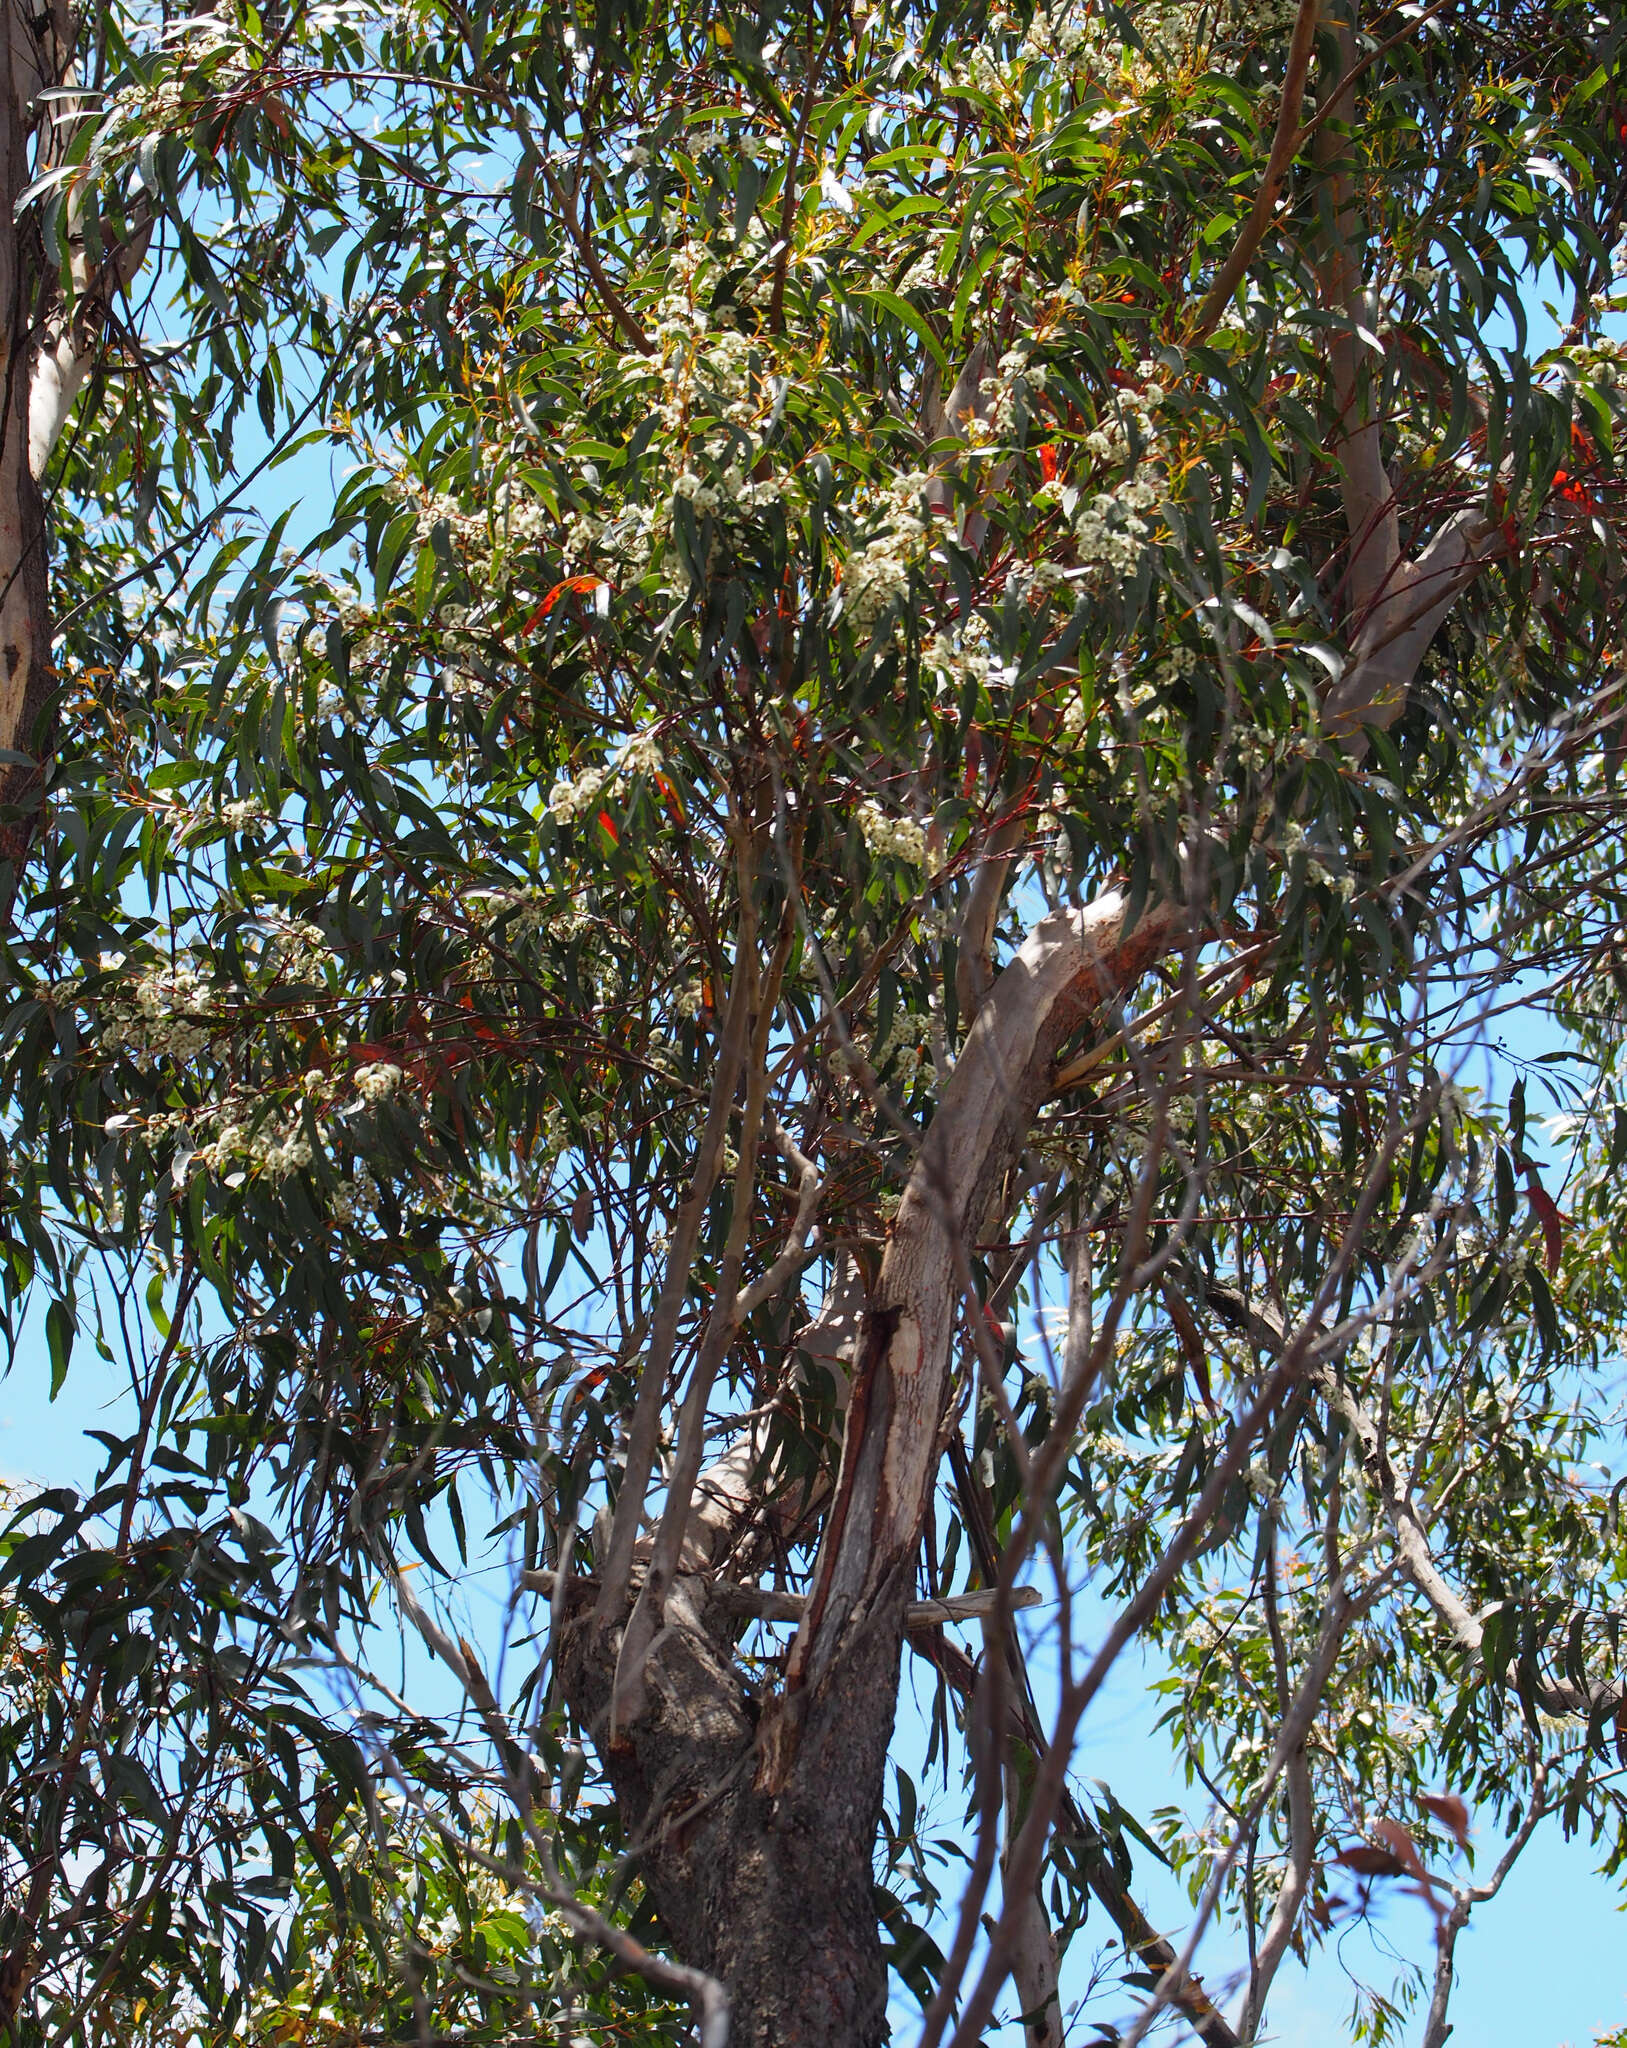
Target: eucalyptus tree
x=820, y=965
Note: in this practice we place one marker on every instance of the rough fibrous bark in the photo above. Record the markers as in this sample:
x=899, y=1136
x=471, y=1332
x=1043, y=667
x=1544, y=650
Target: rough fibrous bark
x=769, y=1890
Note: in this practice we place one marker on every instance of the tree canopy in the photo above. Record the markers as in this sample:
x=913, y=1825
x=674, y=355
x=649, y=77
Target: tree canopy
x=811, y=855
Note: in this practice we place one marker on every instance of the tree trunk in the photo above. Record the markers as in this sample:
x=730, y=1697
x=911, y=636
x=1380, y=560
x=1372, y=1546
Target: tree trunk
x=769, y=1890
x=754, y=1823
x=754, y=1830
x=31, y=52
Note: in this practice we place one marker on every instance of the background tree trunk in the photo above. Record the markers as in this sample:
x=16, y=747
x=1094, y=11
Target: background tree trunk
x=33, y=52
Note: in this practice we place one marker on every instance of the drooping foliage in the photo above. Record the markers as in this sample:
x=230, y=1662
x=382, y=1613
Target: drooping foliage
x=619, y=575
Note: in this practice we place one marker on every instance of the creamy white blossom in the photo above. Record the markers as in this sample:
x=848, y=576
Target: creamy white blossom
x=901, y=838
x=378, y=1080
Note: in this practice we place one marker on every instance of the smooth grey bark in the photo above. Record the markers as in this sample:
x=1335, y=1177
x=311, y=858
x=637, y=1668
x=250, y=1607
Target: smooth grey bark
x=49, y=339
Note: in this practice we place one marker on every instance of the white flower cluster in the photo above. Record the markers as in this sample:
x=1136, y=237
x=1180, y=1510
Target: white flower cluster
x=960, y=658
x=1110, y=526
x=875, y=579
x=140, y=110
x=1050, y=839
x=901, y=838
x=876, y=576
x=296, y=948
x=1170, y=32
x=1179, y=663
x=1078, y=36
x=1136, y=691
x=1063, y=31
x=275, y=1147
x=679, y=321
x=1076, y=719
x=902, y=1050
x=977, y=70
x=1110, y=529
x=572, y=795
x=377, y=1081
x=712, y=372
x=243, y=812
x=433, y=509
x=729, y=494
x=369, y=649
x=1295, y=846
x=628, y=540
x=158, y=1016
x=525, y=910
x=355, y=1197
x=1034, y=582
x=1002, y=392
x=1604, y=360
x=757, y=250
x=925, y=273
x=331, y=702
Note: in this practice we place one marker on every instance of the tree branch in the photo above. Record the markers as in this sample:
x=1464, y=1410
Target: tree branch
x=1464, y=1897
x=644, y=1430
x=702, y=1991
x=974, y=960
x=1296, y=1877
x=764, y=1603
x=1284, y=147
x=1070, y=964
x=71, y=337
x=615, y=305
x=1369, y=496
x=1408, y=1534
